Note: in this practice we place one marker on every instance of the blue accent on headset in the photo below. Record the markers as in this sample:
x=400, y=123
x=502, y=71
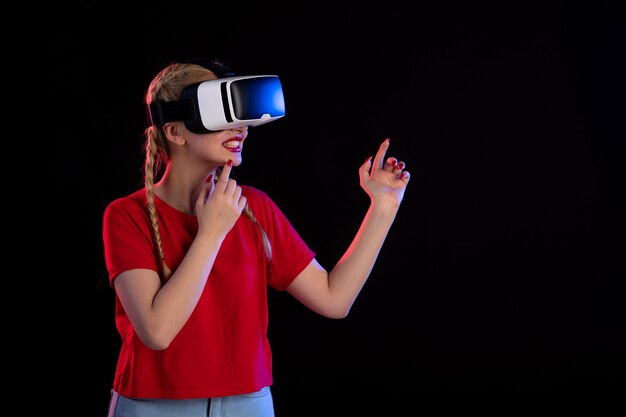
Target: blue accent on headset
x=255, y=97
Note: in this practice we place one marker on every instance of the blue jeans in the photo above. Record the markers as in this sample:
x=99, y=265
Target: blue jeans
x=255, y=404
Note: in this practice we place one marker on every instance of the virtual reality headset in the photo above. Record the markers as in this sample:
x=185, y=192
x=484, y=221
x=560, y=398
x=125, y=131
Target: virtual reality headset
x=224, y=103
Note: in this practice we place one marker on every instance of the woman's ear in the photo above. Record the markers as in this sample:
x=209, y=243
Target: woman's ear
x=173, y=133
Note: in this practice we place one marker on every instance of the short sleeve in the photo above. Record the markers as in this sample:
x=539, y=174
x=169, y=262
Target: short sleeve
x=290, y=253
x=127, y=239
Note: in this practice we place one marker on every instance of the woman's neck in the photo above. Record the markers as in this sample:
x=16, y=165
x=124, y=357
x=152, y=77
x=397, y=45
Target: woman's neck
x=181, y=191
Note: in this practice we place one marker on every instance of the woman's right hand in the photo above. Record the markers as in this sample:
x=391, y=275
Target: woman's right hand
x=220, y=204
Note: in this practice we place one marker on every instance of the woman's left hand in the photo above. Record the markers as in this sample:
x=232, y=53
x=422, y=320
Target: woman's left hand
x=384, y=180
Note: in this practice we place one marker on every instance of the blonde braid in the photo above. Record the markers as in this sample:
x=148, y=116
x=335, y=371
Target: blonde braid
x=266, y=240
x=151, y=152
x=157, y=150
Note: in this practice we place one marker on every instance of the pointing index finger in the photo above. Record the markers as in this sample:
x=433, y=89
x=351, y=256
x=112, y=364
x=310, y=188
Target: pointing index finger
x=379, y=159
x=228, y=166
x=222, y=181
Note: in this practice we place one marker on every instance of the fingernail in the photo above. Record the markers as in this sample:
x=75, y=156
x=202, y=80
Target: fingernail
x=209, y=178
x=367, y=160
x=388, y=140
x=401, y=165
x=229, y=163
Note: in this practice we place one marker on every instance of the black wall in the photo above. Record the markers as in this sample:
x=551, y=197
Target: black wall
x=503, y=271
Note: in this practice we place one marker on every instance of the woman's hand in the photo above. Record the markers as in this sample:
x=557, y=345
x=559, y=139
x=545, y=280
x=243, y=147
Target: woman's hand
x=220, y=204
x=384, y=180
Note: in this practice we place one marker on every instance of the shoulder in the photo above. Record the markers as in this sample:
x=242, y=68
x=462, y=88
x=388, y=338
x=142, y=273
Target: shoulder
x=264, y=206
x=254, y=194
x=133, y=203
x=258, y=200
x=253, y=191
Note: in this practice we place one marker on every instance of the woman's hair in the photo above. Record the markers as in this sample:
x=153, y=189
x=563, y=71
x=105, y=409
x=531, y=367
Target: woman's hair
x=168, y=86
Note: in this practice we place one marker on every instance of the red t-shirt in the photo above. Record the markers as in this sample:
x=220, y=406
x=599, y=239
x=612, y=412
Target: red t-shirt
x=223, y=348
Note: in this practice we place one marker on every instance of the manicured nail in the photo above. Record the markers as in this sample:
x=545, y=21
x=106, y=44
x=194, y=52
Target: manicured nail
x=367, y=160
x=209, y=178
x=401, y=165
x=229, y=163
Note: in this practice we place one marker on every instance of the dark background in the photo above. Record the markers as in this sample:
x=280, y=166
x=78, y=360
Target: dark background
x=503, y=273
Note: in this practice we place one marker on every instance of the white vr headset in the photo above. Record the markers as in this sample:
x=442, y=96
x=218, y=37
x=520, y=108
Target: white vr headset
x=224, y=103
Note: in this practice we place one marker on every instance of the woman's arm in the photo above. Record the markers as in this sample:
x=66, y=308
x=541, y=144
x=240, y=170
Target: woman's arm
x=332, y=294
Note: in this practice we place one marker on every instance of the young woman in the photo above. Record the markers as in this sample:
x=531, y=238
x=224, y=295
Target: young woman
x=191, y=273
